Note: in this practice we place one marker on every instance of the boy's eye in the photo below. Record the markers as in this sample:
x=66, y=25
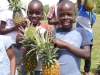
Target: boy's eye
x=30, y=12
x=36, y=13
x=70, y=14
x=61, y=15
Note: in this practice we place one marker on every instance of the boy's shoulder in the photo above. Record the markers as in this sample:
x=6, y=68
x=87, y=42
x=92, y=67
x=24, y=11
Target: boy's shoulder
x=4, y=38
x=45, y=26
x=80, y=29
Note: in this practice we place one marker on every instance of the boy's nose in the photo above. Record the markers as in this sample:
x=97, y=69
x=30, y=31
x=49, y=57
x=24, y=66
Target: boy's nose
x=34, y=15
x=66, y=17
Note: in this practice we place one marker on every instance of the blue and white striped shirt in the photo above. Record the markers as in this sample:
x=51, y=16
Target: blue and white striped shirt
x=83, y=20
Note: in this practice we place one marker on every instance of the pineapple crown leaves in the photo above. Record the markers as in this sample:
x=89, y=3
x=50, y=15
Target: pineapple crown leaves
x=49, y=54
x=31, y=37
x=16, y=5
x=43, y=43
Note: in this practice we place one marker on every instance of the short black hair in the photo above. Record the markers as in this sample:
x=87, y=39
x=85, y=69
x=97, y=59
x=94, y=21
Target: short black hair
x=37, y=1
x=66, y=2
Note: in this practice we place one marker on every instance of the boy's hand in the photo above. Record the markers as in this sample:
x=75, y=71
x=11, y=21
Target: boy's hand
x=15, y=28
x=59, y=43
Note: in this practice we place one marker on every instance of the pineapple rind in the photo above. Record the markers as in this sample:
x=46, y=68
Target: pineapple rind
x=29, y=60
x=17, y=12
x=88, y=4
x=17, y=18
x=53, y=69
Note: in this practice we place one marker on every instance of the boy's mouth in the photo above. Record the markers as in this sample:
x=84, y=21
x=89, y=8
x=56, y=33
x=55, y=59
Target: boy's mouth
x=66, y=23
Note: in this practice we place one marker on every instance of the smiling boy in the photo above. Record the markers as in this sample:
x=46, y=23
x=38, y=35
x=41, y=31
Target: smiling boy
x=73, y=43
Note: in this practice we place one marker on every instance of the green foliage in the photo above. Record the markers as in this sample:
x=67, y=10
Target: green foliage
x=97, y=6
x=16, y=5
x=46, y=8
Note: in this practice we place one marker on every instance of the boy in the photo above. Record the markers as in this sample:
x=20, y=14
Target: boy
x=7, y=57
x=35, y=14
x=83, y=21
x=9, y=29
x=73, y=43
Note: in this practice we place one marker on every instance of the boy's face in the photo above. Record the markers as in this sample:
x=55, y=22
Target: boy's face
x=35, y=13
x=66, y=16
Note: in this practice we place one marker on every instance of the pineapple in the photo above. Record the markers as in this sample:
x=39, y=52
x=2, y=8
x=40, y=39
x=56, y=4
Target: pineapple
x=29, y=59
x=50, y=66
x=17, y=12
x=88, y=4
x=48, y=54
x=29, y=55
x=40, y=45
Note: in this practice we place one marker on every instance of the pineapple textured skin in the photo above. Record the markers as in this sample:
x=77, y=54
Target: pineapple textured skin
x=53, y=69
x=17, y=17
x=16, y=6
x=29, y=60
x=88, y=4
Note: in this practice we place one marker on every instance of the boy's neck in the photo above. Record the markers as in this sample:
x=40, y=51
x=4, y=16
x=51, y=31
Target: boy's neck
x=67, y=30
x=35, y=25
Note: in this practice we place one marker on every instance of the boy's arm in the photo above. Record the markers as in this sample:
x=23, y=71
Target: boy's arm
x=50, y=16
x=52, y=22
x=79, y=2
x=82, y=53
x=6, y=30
x=12, y=58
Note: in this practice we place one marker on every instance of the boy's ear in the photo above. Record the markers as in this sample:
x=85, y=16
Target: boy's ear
x=74, y=19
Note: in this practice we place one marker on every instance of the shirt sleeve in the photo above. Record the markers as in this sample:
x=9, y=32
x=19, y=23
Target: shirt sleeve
x=8, y=42
x=80, y=6
x=93, y=18
x=85, y=38
x=51, y=12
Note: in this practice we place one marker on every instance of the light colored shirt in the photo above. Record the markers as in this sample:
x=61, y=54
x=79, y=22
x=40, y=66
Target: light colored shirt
x=5, y=43
x=7, y=17
x=70, y=63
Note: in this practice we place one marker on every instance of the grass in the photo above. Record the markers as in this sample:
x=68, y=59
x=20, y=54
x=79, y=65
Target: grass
x=95, y=55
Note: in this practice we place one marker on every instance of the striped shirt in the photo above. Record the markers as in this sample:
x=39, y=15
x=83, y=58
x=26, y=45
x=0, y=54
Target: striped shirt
x=83, y=20
x=52, y=14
